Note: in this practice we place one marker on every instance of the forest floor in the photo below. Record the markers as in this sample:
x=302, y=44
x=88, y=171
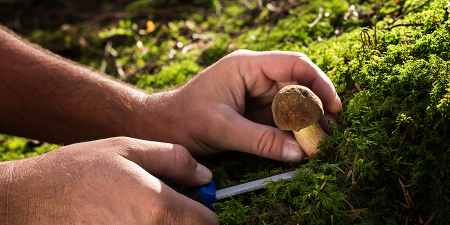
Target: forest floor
x=388, y=60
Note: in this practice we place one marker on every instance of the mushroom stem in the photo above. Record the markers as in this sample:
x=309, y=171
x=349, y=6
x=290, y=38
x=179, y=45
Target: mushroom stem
x=308, y=138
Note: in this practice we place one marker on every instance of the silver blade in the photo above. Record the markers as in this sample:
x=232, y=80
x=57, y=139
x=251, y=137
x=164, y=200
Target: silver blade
x=250, y=186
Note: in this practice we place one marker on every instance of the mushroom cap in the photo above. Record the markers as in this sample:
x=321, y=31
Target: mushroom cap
x=296, y=107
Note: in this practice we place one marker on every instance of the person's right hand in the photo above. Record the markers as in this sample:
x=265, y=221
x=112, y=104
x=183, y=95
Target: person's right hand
x=228, y=106
x=110, y=181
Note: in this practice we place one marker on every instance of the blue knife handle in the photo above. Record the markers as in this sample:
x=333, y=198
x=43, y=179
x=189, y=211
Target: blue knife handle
x=205, y=194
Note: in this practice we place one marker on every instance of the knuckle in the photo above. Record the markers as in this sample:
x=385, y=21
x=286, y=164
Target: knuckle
x=266, y=145
x=120, y=140
x=161, y=212
x=181, y=160
x=301, y=55
x=182, y=156
x=239, y=52
x=304, y=58
x=123, y=145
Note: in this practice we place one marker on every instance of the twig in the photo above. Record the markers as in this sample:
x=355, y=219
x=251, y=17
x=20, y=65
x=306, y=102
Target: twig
x=402, y=139
x=109, y=49
x=348, y=203
x=356, y=215
x=401, y=203
x=103, y=67
x=328, y=213
x=358, y=210
x=346, y=99
x=339, y=169
x=404, y=194
x=120, y=71
x=317, y=19
x=357, y=86
x=265, y=208
x=431, y=219
x=323, y=185
x=399, y=17
x=246, y=3
x=409, y=198
x=365, y=39
x=375, y=28
x=443, y=37
x=404, y=25
x=408, y=41
x=267, y=38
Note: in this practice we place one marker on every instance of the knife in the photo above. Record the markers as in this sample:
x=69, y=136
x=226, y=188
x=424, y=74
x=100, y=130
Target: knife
x=208, y=195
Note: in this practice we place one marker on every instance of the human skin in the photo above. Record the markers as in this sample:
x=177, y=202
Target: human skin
x=229, y=104
x=109, y=181
x=226, y=107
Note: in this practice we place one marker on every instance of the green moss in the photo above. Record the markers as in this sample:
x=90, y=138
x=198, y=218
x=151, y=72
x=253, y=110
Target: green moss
x=172, y=74
x=12, y=148
x=394, y=130
x=393, y=136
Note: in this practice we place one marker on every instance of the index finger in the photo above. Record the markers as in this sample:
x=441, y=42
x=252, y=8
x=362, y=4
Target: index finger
x=286, y=67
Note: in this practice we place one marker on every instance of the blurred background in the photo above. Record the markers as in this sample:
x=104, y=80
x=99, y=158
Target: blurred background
x=155, y=44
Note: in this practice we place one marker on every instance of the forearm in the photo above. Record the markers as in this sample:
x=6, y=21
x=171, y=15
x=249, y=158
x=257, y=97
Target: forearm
x=49, y=98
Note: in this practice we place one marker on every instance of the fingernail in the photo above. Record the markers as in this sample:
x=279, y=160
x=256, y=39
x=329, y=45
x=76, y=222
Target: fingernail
x=204, y=172
x=292, y=152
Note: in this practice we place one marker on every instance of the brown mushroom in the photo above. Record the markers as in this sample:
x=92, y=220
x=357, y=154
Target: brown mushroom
x=297, y=108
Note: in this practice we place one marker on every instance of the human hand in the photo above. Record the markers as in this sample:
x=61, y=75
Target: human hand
x=110, y=181
x=228, y=105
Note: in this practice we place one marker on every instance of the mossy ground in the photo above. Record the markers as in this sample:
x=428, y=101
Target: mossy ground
x=392, y=144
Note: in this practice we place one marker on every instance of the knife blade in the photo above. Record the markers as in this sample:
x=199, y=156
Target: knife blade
x=208, y=195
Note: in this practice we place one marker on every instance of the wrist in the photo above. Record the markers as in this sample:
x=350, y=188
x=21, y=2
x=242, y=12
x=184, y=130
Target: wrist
x=153, y=118
x=125, y=115
x=164, y=117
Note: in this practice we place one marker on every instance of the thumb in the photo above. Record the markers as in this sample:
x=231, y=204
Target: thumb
x=168, y=161
x=262, y=140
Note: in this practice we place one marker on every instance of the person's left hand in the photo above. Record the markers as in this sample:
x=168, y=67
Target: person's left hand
x=228, y=105
x=108, y=181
